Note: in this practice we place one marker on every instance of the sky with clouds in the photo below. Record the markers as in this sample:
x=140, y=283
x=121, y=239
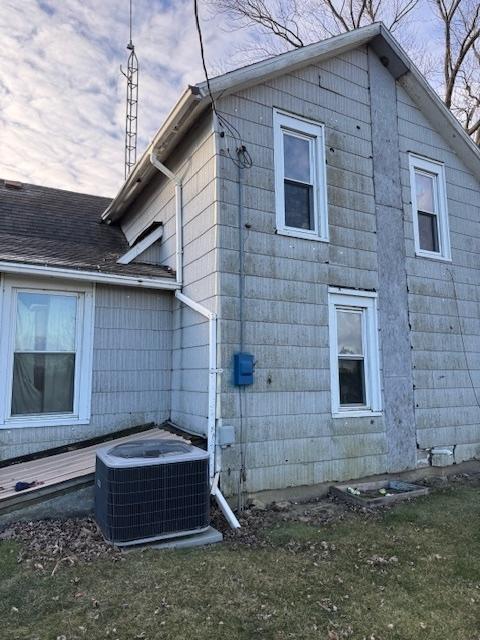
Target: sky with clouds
x=62, y=97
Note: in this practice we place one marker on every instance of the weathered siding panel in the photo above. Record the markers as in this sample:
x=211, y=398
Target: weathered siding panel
x=190, y=330
x=444, y=299
x=286, y=435
x=131, y=371
x=392, y=292
x=195, y=160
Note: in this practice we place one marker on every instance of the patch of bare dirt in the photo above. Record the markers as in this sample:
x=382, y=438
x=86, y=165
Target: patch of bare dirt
x=454, y=480
x=258, y=518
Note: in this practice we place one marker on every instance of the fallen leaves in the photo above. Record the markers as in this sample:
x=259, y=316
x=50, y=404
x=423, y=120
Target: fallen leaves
x=58, y=542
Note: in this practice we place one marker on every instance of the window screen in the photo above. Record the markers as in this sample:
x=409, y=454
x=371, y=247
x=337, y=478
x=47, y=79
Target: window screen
x=351, y=365
x=44, y=353
x=427, y=213
x=300, y=177
x=298, y=182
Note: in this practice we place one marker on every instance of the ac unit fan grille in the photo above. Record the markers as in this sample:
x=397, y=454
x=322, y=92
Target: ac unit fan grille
x=151, y=501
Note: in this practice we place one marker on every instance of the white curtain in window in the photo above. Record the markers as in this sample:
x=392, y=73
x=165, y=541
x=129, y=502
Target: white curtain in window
x=44, y=357
x=45, y=322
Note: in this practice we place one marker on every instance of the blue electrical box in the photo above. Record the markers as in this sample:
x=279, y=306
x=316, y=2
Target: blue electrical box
x=243, y=366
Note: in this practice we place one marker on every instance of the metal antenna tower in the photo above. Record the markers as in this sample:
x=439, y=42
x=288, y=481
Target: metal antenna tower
x=131, y=112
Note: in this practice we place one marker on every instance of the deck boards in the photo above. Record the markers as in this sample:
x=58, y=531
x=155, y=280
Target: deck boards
x=62, y=467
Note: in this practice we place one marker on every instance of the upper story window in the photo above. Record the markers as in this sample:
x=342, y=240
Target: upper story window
x=429, y=207
x=300, y=182
x=354, y=357
x=47, y=344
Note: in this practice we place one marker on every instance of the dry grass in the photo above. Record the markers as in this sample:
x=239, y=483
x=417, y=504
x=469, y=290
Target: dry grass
x=411, y=572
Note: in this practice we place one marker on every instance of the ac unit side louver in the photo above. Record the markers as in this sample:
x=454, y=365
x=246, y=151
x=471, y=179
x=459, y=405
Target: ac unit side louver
x=150, y=490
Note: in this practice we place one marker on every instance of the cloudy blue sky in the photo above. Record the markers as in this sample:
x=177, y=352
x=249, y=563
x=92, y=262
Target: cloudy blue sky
x=62, y=97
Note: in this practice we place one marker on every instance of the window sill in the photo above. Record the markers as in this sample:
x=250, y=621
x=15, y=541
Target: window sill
x=432, y=256
x=357, y=413
x=48, y=421
x=298, y=234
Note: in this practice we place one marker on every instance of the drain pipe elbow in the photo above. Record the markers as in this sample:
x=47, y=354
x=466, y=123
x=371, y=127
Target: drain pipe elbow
x=178, y=214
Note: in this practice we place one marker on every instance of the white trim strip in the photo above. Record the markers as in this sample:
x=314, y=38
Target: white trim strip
x=89, y=276
x=436, y=170
x=84, y=331
x=141, y=246
x=366, y=301
x=314, y=133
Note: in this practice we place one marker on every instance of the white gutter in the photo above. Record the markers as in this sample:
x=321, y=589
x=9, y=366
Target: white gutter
x=177, y=121
x=146, y=282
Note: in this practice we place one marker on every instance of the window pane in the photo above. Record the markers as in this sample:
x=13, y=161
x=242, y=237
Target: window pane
x=349, y=332
x=424, y=188
x=43, y=383
x=428, y=232
x=45, y=322
x=296, y=157
x=299, y=205
x=351, y=381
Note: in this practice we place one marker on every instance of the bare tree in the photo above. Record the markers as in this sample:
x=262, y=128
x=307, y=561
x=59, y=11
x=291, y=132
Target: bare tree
x=299, y=23
x=295, y=23
x=461, y=60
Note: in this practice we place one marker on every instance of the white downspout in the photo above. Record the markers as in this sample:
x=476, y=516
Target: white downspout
x=212, y=372
x=212, y=343
x=178, y=215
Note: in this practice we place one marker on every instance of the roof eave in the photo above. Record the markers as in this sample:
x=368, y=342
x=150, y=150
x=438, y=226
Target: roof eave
x=99, y=277
x=412, y=80
x=290, y=60
x=442, y=118
x=392, y=55
x=180, y=118
x=196, y=98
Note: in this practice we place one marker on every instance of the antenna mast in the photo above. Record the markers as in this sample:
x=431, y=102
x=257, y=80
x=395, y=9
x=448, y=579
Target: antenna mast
x=131, y=112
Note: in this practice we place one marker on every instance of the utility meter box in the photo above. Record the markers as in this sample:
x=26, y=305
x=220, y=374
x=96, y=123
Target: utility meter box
x=243, y=366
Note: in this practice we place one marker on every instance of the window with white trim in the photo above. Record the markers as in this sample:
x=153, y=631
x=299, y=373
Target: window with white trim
x=46, y=347
x=429, y=208
x=300, y=181
x=354, y=357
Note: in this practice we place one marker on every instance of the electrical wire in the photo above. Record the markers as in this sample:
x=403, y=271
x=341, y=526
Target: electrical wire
x=242, y=160
x=202, y=53
x=474, y=389
x=242, y=157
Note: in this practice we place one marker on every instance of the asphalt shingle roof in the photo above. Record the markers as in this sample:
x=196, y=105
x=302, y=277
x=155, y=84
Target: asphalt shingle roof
x=52, y=227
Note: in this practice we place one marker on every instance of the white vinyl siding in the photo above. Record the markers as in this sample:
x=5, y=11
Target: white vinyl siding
x=46, y=344
x=354, y=353
x=300, y=181
x=429, y=208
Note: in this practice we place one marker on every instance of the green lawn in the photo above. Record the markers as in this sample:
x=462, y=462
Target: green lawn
x=411, y=572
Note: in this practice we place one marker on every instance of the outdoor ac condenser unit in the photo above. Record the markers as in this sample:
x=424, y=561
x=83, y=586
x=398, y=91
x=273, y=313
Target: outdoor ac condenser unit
x=147, y=490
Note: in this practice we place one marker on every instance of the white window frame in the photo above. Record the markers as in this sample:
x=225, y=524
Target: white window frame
x=83, y=352
x=366, y=302
x=315, y=132
x=437, y=171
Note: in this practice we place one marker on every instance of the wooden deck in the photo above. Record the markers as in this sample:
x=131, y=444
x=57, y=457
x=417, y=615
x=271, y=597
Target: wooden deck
x=60, y=471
